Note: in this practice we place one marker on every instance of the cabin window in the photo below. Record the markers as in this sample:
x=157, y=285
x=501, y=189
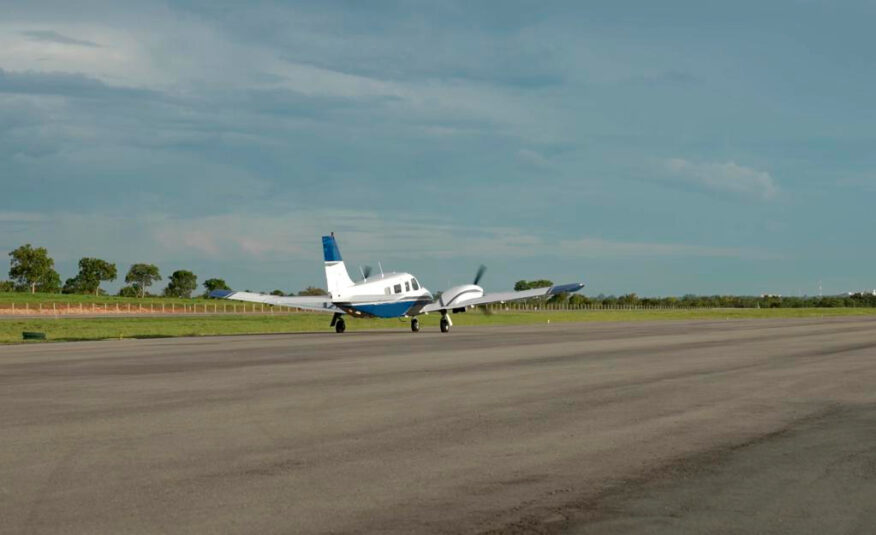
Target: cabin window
x=397, y=288
x=415, y=284
x=388, y=290
x=407, y=286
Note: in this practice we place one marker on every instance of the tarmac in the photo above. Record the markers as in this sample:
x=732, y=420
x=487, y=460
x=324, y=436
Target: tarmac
x=735, y=426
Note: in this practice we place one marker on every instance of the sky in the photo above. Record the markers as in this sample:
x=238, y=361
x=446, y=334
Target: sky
x=661, y=148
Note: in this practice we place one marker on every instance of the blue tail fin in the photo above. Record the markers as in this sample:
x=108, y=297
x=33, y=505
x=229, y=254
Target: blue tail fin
x=330, y=249
x=337, y=280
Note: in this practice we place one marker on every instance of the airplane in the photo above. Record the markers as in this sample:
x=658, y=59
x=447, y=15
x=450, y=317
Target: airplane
x=388, y=295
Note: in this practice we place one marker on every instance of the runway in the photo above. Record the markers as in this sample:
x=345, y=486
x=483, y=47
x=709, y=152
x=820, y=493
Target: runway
x=665, y=427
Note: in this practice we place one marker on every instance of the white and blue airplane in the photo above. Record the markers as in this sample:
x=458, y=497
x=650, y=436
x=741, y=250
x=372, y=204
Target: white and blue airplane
x=388, y=295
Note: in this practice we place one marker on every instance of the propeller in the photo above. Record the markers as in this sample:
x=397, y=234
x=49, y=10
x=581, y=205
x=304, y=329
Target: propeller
x=480, y=274
x=481, y=270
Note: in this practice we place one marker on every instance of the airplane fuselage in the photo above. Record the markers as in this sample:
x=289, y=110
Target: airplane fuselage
x=389, y=295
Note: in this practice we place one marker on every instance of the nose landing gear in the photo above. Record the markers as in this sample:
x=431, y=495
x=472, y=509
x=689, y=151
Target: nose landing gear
x=415, y=325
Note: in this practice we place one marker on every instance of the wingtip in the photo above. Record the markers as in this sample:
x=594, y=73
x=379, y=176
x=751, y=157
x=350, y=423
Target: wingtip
x=566, y=288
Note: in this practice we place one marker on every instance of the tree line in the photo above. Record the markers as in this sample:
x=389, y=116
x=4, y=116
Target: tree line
x=33, y=270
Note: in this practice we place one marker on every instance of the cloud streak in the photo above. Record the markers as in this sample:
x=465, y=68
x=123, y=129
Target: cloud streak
x=51, y=36
x=728, y=178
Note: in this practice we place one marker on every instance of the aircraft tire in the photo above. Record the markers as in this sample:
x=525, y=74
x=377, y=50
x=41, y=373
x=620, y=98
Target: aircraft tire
x=340, y=326
x=445, y=325
x=415, y=325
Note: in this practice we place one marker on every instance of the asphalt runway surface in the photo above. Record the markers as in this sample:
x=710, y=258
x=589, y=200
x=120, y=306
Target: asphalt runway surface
x=741, y=426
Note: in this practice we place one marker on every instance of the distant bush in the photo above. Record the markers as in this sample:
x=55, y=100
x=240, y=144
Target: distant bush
x=312, y=290
x=129, y=291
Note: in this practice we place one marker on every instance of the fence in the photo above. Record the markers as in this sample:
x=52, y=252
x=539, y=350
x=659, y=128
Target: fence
x=226, y=307
x=145, y=308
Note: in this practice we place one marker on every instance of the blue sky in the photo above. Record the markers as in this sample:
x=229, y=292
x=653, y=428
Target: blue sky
x=656, y=147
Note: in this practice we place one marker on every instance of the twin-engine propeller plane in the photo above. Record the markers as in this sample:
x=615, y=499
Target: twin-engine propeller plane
x=388, y=295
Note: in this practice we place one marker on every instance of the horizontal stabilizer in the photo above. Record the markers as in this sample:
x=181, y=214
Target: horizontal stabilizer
x=317, y=303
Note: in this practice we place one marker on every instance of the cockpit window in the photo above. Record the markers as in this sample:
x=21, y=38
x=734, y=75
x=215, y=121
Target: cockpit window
x=415, y=284
x=397, y=288
x=407, y=286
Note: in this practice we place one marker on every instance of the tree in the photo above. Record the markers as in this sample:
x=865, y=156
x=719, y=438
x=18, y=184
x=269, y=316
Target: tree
x=141, y=276
x=521, y=285
x=182, y=284
x=278, y=293
x=34, y=268
x=215, y=284
x=73, y=286
x=91, y=272
x=129, y=291
x=7, y=286
x=312, y=290
x=628, y=299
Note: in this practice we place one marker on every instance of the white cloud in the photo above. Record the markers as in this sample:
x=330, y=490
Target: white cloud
x=724, y=178
x=280, y=237
x=599, y=248
x=533, y=159
x=20, y=217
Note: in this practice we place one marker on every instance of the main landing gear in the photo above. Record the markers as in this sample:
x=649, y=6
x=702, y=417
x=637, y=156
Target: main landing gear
x=338, y=323
x=445, y=322
x=415, y=325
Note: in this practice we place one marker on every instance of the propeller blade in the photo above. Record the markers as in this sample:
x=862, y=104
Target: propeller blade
x=480, y=274
x=367, y=271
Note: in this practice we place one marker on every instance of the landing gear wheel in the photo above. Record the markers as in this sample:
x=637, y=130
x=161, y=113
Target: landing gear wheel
x=445, y=325
x=340, y=326
x=415, y=325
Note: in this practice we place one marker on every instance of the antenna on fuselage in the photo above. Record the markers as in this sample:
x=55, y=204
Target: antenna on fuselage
x=381, y=269
x=362, y=271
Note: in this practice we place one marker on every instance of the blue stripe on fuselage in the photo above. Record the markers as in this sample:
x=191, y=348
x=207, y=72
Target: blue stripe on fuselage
x=385, y=310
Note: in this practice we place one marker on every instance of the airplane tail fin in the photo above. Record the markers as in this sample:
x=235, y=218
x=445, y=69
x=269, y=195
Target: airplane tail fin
x=336, y=277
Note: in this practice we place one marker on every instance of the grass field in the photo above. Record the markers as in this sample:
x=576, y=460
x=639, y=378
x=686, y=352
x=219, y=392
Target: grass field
x=156, y=327
x=22, y=298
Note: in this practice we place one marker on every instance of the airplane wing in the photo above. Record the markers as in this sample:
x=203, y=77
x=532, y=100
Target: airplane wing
x=502, y=297
x=316, y=303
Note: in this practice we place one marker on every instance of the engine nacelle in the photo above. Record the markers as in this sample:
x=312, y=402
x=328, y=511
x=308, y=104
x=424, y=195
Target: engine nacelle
x=457, y=296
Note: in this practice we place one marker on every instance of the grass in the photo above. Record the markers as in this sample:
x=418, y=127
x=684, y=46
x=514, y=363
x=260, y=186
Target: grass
x=22, y=298
x=72, y=328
